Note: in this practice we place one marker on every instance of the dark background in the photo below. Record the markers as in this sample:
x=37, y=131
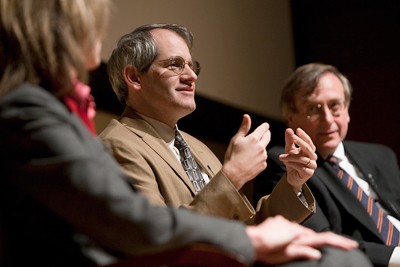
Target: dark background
x=361, y=38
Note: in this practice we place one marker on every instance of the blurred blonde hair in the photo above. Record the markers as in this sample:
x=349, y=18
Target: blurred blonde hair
x=43, y=41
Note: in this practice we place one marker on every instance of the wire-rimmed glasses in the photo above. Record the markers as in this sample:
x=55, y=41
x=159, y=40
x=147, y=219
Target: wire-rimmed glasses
x=315, y=111
x=177, y=64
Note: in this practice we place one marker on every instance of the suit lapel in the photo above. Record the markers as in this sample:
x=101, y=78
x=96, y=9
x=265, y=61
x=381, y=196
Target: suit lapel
x=375, y=179
x=198, y=155
x=327, y=175
x=362, y=164
x=152, y=139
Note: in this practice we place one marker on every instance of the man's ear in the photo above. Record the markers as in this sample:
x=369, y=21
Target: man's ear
x=132, y=77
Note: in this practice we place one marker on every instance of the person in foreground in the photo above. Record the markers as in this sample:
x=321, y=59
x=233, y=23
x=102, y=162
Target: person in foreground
x=63, y=199
x=316, y=97
x=152, y=73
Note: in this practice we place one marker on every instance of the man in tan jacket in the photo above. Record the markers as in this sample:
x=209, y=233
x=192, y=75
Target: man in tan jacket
x=153, y=74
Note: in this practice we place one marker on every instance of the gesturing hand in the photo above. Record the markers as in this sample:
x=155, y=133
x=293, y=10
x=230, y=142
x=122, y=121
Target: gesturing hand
x=299, y=158
x=246, y=155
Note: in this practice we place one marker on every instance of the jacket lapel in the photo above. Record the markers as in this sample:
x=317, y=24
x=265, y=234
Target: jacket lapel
x=204, y=166
x=152, y=139
x=364, y=166
x=373, y=178
x=327, y=175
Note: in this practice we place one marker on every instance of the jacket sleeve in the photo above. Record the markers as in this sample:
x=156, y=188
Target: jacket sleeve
x=220, y=198
x=59, y=164
x=284, y=201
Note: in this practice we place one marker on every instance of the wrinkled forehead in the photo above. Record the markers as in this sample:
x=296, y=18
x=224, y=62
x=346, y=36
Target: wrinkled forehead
x=328, y=87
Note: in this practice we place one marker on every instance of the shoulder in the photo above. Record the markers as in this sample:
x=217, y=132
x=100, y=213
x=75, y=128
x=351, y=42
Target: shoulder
x=113, y=128
x=126, y=129
x=371, y=151
x=118, y=138
x=29, y=95
x=28, y=103
x=364, y=146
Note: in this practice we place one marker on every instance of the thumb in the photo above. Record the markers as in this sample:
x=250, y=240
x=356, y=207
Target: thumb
x=245, y=126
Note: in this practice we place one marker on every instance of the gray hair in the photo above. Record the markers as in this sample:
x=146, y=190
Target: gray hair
x=303, y=81
x=138, y=48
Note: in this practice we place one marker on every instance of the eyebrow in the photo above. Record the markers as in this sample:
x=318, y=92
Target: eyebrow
x=319, y=102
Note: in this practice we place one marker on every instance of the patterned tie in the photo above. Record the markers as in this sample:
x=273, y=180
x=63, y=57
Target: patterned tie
x=390, y=234
x=188, y=163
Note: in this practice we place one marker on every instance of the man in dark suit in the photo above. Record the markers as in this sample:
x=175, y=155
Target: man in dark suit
x=316, y=98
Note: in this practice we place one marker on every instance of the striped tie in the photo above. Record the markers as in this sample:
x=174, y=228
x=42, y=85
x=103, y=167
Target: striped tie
x=390, y=235
x=188, y=163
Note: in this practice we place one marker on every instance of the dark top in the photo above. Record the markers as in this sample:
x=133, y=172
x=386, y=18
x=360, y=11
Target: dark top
x=337, y=208
x=60, y=191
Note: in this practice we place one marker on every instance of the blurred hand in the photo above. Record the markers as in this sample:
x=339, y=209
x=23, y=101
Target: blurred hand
x=299, y=158
x=246, y=155
x=278, y=241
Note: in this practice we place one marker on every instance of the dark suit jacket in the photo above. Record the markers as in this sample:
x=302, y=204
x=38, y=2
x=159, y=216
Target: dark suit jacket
x=61, y=190
x=337, y=208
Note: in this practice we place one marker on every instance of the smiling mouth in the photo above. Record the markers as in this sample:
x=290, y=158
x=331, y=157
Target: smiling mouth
x=327, y=133
x=185, y=90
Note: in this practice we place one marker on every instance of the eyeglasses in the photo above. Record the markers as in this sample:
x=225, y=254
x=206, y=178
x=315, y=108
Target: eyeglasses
x=315, y=111
x=177, y=64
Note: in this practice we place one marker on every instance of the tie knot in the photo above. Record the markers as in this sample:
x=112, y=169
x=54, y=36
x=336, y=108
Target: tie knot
x=334, y=162
x=179, y=141
x=332, y=159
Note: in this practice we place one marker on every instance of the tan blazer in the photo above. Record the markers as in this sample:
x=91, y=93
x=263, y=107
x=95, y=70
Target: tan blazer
x=156, y=172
